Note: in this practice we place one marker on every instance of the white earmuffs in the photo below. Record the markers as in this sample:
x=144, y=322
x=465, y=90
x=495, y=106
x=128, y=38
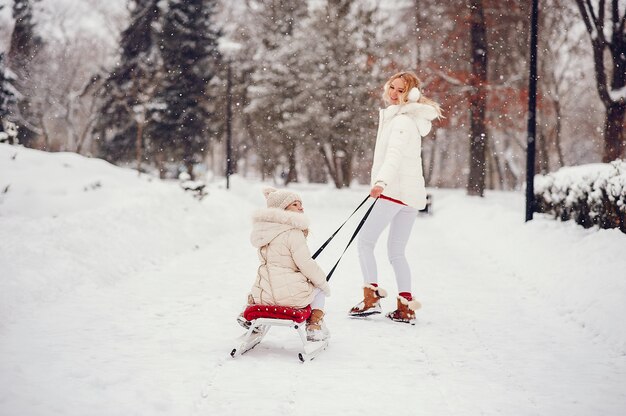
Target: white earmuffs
x=414, y=95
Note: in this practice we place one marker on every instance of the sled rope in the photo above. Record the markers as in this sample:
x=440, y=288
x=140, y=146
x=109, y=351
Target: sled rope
x=358, y=228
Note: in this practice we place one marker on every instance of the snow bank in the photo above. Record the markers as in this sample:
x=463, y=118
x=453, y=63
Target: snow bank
x=67, y=221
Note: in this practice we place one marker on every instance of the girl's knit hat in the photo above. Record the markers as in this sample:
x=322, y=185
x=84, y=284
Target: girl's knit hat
x=280, y=198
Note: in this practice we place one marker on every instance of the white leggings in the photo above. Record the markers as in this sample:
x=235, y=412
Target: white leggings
x=319, y=300
x=401, y=218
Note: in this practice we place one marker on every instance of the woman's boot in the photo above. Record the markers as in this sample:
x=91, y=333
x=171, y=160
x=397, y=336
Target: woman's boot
x=370, y=304
x=405, y=312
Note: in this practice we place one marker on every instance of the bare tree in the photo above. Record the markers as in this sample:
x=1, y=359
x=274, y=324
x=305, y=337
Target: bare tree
x=64, y=105
x=608, y=35
x=559, y=63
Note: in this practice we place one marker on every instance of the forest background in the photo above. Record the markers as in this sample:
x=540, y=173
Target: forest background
x=161, y=84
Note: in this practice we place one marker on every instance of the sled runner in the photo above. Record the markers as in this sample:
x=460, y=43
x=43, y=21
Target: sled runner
x=263, y=317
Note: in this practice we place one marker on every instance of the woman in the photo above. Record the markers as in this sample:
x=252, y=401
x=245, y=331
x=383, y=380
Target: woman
x=398, y=181
x=287, y=275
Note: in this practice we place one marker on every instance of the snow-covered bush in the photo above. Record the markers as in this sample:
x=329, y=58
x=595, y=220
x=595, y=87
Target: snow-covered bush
x=590, y=194
x=9, y=135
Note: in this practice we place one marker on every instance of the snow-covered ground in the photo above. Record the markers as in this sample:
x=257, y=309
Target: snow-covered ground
x=118, y=296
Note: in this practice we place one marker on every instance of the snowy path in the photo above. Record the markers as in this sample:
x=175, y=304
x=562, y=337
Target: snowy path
x=487, y=342
x=500, y=349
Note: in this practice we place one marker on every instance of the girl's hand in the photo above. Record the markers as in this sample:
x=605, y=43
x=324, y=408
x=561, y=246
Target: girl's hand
x=376, y=191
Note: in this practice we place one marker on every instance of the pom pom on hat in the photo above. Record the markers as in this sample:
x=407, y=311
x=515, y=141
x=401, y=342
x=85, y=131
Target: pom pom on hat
x=414, y=94
x=280, y=198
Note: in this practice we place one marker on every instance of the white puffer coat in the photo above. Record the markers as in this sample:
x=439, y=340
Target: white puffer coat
x=397, y=165
x=287, y=275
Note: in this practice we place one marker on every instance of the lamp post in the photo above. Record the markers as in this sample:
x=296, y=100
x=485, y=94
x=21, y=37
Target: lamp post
x=532, y=107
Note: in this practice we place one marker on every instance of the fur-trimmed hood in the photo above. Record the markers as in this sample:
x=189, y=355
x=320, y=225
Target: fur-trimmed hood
x=421, y=114
x=267, y=223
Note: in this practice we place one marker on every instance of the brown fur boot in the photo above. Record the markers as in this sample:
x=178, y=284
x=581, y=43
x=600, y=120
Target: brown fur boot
x=241, y=320
x=315, y=327
x=405, y=312
x=370, y=304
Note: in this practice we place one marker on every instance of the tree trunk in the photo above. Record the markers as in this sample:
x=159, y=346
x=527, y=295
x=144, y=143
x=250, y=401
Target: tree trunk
x=418, y=39
x=614, y=132
x=188, y=158
x=557, y=133
x=189, y=167
x=497, y=166
x=331, y=169
x=478, y=100
x=292, y=174
x=345, y=164
x=44, y=131
x=139, y=146
x=490, y=171
x=160, y=163
x=428, y=172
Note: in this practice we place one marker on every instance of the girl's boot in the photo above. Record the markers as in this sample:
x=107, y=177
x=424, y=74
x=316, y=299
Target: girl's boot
x=315, y=327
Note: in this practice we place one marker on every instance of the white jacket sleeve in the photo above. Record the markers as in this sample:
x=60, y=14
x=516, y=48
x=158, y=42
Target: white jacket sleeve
x=402, y=130
x=308, y=267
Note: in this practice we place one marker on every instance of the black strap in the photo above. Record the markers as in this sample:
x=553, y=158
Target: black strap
x=358, y=228
x=319, y=250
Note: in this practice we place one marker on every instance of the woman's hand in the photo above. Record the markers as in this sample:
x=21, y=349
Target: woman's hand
x=376, y=191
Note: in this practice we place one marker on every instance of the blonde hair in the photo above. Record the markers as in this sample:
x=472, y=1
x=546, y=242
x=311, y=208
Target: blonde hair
x=411, y=81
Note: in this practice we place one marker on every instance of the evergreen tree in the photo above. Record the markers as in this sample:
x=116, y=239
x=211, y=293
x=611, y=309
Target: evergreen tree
x=129, y=88
x=25, y=45
x=7, y=98
x=180, y=122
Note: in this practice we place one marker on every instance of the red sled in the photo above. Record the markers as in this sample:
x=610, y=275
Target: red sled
x=263, y=317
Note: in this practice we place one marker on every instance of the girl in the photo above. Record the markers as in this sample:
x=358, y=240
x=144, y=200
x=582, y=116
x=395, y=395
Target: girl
x=288, y=276
x=398, y=181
